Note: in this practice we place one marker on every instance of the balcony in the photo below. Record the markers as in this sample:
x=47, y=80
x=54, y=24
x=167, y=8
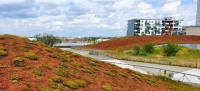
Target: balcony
x=136, y=23
x=137, y=27
x=137, y=31
x=157, y=23
x=148, y=27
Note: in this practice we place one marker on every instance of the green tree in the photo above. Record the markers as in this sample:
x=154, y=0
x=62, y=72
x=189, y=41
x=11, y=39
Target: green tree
x=136, y=49
x=149, y=47
x=47, y=39
x=171, y=49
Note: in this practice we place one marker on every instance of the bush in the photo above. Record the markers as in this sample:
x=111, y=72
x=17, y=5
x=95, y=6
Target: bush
x=62, y=72
x=52, y=55
x=14, y=77
x=18, y=61
x=57, y=79
x=149, y=47
x=48, y=39
x=94, y=63
x=23, y=50
x=38, y=72
x=27, y=46
x=71, y=84
x=88, y=69
x=171, y=49
x=30, y=56
x=3, y=53
x=106, y=88
x=62, y=65
x=136, y=49
x=122, y=74
x=55, y=85
x=109, y=72
x=79, y=83
x=48, y=49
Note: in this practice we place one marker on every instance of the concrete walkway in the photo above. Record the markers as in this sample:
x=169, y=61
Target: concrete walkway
x=176, y=76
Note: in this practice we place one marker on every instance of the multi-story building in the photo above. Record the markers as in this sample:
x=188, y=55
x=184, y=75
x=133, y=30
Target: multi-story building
x=166, y=26
x=198, y=14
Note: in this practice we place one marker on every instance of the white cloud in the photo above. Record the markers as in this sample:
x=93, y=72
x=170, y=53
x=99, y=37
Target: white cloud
x=88, y=17
x=11, y=1
x=143, y=5
x=170, y=7
x=123, y=4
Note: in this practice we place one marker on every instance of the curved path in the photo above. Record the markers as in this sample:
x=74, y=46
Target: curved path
x=176, y=76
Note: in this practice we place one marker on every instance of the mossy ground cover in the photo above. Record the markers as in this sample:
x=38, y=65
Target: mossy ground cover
x=69, y=71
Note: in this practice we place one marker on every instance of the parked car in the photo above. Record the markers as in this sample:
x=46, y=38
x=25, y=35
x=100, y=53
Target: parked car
x=93, y=53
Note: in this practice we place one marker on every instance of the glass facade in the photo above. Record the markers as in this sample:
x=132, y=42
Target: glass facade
x=198, y=14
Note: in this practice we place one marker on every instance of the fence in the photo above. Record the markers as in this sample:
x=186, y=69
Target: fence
x=193, y=80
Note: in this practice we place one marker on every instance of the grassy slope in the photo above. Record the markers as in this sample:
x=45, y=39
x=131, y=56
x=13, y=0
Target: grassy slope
x=126, y=43
x=90, y=73
x=116, y=47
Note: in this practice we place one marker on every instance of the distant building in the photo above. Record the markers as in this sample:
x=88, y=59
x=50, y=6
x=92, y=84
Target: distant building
x=191, y=30
x=198, y=13
x=166, y=26
x=32, y=38
x=101, y=40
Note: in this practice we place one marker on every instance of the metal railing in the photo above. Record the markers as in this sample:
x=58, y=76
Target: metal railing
x=178, y=76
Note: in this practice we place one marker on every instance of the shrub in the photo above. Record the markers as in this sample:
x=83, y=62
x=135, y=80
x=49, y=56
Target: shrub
x=171, y=49
x=57, y=79
x=68, y=59
x=30, y=56
x=23, y=50
x=79, y=83
x=48, y=39
x=109, y=72
x=3, y=53
x=55, y=85
x=52, y=55
x=62, y=72
x=38, y=72
x=62, y=65
x=106, y=88
x=2, y=48
x=88, y=69
x=48, y=49
x=71, y=84
x=14, y=77
x=18, y=61
x=122, y=74
x=75, y=64
x=149, y=47
x=94, y=63
x=27, y=46
x=136, y=49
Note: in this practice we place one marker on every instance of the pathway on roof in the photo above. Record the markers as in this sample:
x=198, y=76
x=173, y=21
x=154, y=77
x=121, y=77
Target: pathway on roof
x=144, y=70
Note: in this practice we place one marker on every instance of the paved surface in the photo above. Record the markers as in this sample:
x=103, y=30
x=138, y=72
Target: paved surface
x=176, y=76
x=102, y=57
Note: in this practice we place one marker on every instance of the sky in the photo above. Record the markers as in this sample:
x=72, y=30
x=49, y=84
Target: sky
x=87, y=18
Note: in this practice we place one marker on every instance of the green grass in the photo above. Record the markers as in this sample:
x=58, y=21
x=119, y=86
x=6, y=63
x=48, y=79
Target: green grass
x=188, y=57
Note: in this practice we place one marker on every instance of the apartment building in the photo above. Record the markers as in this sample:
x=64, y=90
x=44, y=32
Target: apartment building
x=166, y=26
x=198, y=14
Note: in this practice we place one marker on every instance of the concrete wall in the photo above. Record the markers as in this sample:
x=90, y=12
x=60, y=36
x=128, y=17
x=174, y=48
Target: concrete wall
x=192, y=30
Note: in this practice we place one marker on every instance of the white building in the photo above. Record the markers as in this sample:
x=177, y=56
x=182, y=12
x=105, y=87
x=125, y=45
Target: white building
x=198, y=14
x=166, y=26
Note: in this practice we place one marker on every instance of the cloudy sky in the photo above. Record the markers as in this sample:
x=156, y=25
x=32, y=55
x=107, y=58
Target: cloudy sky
x=86, y=17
